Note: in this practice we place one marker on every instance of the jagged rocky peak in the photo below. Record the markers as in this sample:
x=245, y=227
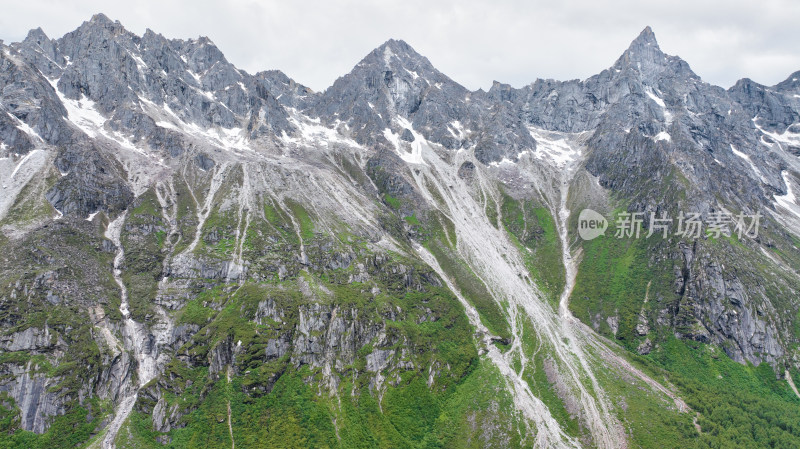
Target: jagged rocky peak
x=394, y=88
x=100, y=25
x=43, y=51
x=203, y=54
x=197, y=55
x=645, y=57
x=502, y=92
x=773, y=108
x=647, y=38
x=287, y=91
x=401, y=63
x=127, y=82
x=390, y=79
x=790, y=84
x=103, y=20
x=642, y=70
x=37, y=36
x=395, y=67
x=397, y=55
x=100, y=62
x=643, y=49
x=101, y=56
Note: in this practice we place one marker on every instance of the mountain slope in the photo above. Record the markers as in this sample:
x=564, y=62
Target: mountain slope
x=200, y=257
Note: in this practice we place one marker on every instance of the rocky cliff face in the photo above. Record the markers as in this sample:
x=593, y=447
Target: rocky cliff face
x=193, y=253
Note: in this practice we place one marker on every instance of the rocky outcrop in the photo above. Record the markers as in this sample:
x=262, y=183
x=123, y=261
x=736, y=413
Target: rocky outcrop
x=722, y=311
x=32, y=340
x=34, y=395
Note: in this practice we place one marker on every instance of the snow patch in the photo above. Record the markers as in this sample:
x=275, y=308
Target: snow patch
x=22, y=162
x=312, y=131
x=787, y=137
x=83, y=113
x=140, y=65
x=749, y=161
x=196, y=77
x=457, y=130
x=393, y=138
x=663, y=135
x=415, y=157
x=659, y=101
x=504, y=161
x=655, y=97
x=167, y=125
x=230, y=139
x=788, y=201
x=24, y=127
x=224, y=138
x=552, y=147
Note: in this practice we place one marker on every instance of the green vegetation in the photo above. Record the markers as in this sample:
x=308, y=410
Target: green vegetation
x=294, y=415
x=304, y=220
x=391, y=201
x=613, y=280
x=194, y=312
x=71, y=429
x=539, y=354
x=479, y=414
x=142, y=238
x=412, y=220
x=431, y=325
x=736, y=405
x=533, y=230
x=491, y=211
x=733, y=405
x=652, y=420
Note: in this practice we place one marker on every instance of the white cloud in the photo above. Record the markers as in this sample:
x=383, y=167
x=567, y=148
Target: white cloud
x=473, y=42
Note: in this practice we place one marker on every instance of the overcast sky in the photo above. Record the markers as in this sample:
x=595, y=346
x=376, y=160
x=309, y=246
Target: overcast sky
x=473, y=42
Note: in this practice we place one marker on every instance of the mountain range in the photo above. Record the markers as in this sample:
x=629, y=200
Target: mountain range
x=195, y=256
